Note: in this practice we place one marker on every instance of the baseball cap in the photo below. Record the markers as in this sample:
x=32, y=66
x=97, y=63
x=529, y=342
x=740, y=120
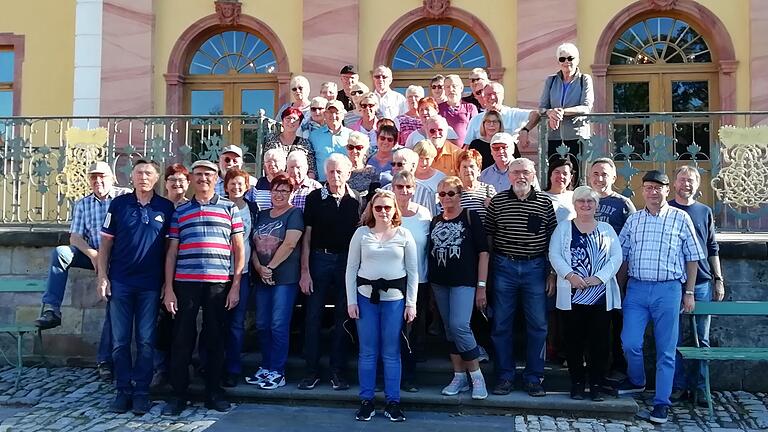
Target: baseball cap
x=202, y=163
x=336, y=104
x=656, y=177
x=232, y=149
x=503, y=137
x=100, y=167
x=348, y=70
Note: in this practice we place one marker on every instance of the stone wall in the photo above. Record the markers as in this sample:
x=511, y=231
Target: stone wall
x=27, y=254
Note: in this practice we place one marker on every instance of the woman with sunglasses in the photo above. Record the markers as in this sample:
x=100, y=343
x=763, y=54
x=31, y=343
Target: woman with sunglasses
x=566, y=96
x=382, y=286
x=475, y=194
x=368, y=124
x=425, y=174
x=409, y=121
x=356, y=93
x=386, y=137
x=299, y=87
x=458, y=270
x=363, y=178
x=289, y=138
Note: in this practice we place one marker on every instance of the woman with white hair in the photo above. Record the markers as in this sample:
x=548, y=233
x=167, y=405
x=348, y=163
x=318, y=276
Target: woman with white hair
x=299, y=87
x=586, y=255
x=273, y=163
x=363, y=175
x=409, y=121
x=356, y=92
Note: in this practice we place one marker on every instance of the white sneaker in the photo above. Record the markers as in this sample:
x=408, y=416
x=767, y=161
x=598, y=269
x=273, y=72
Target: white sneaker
x=272, y=381
x=479, y=391
x=258, y=377
x=458, y=384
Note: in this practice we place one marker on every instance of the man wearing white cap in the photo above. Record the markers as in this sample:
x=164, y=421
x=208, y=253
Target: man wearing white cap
x=232, y=156
x=330, y=139
x=84, y=241
x=502, y=150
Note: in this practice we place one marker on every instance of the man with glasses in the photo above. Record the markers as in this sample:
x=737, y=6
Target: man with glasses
x=84, y=242
x=391, y=103
x=513, y=119
x=456, y=112
x=203, y=267
x=478, y=78
x=425, y=109
x=332, y=138
x=316, y=119
x=437, y=88
x=349, y=77
x=502, y=150
x=232, y=156
x=130, y=274
x=447, y=153
x=661, y=257
x=519, y=225
x=296, y=167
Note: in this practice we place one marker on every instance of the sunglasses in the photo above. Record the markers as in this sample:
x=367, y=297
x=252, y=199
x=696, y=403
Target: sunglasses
x=397, y=164
x=379, y=208
x=437, y=86
x=479, y=93
x=356, y=92
x=474, y=80
x=355, y=147
x=299, y=88
x=498, y=147
x=317, y=109
x=402, y=186
x=433, y=131
x=380, y=76
x=563, y=59
x=229, y=159
x=450, y=194
x=367, y=105
x=386, y=138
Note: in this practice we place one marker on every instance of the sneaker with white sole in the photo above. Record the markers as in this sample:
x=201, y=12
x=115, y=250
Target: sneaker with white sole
x=479, y=391
x=458, y=384
x=258, y=377
x=272, y=381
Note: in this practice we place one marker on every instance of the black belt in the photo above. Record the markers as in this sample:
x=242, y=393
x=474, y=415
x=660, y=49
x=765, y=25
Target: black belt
x=383, y=285
x=327, y=251
x=520, y=257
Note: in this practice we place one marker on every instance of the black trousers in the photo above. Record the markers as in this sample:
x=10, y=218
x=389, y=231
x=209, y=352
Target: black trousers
x=586, y=336
x=190, y=297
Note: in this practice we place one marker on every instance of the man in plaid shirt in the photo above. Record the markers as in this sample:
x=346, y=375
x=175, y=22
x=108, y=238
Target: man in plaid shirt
x=84, y=241
x=297, y=168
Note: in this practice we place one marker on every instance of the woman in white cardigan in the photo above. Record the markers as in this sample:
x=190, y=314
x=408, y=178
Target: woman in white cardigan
x=586, y=255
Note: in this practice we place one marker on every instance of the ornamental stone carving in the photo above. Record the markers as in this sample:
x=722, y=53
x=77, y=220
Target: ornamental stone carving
x=84, y=147
x=662, y=5
x=436, y=8
x=228, y=11
x=743, y=178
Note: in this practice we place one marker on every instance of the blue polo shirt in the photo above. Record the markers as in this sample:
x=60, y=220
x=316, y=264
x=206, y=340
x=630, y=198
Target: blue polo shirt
x=325, y=143
x=139, y=232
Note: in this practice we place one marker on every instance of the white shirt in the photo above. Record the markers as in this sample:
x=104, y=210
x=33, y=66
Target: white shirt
x=418, y=225
x=417, y=136
x=513, y=119
x=391, y=104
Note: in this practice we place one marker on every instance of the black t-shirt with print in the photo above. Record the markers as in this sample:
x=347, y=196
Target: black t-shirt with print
x=454, y=246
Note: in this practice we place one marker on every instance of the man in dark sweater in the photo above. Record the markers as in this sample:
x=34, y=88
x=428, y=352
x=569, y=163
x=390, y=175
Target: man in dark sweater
x=709, y=275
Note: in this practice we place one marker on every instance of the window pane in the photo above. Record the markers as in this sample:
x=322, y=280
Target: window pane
x=631, y=97
x=690, y=96
x=688, y=134
x=6, y=103
x=253, y=100
x=238, y=51
x=6, y=66
x=660, y=40
x=207, y=102
x=439, y=47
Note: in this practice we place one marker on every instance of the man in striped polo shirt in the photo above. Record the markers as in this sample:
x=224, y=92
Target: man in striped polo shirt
x=203, y=233
x=519, y=224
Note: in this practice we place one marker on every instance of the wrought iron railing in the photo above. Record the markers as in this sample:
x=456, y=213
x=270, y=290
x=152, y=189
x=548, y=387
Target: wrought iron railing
x=734, y=174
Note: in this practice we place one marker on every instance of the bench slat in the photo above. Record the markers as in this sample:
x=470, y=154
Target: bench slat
x=14, y=328
x=723, y=353
x=22, y=285
x=747, y=308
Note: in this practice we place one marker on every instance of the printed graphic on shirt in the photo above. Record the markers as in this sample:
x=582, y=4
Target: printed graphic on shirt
x=267, y=240
x=446, y=241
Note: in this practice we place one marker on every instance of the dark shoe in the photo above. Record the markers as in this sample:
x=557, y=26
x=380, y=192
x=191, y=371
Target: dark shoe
x=159, y=380
x=121, y=404
x=141, y=404
x=596, y=393
x=503, y=387
x=537, y=390
x=393, y=412
x=366, y=411
x=174, y=407
x=577, y=391
x=105, y=371
x=659, y=414
x=48, y=320
x=217, y=403
x=626, y=387
x=679, y=395
x=338, y=382
x=409, y=387
x=308, y=383
x=701, y=398
x=229, y=380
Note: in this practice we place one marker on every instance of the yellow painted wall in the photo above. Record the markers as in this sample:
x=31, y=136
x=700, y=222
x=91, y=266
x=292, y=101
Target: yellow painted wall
x=172, y=17
x=48, y=68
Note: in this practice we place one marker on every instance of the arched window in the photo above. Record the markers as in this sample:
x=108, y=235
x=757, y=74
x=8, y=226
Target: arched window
x=233, y=52
x=660, y=40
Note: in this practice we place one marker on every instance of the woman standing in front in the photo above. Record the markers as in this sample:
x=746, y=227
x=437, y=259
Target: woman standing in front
x=382, y=284
x=458, y=269
x=586, y=255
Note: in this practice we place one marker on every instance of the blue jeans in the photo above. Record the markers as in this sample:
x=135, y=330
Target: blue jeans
x=62, y=258
x=660, y=302
x=379, y=331
x=694, y=377
x=133, y=308
x=327, y=271
x=513, y=279
x=455, y=304
x=236, y=331
x=274, y=308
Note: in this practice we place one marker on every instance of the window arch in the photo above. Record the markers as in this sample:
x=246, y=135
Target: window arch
x=439, y=47
x=660, y=40
x=235, y=51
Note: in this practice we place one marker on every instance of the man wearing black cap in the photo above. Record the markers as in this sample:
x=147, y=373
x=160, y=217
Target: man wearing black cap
x=661, y=257
x=349, y=77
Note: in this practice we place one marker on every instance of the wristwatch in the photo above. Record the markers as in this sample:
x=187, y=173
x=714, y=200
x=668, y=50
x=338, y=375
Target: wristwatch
x=718, y=278
x=525, y=128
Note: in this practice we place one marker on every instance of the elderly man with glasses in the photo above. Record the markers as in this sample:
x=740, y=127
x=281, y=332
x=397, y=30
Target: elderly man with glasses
x=478, y=78
x=391, y=103
x=232, y=156
x=512, y=118
x=448, y=153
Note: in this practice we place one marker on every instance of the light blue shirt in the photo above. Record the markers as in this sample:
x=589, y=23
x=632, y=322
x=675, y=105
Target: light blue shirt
x=326, y=143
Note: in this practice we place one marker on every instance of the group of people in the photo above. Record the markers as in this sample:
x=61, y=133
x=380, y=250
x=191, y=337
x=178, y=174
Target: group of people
x=398, y=210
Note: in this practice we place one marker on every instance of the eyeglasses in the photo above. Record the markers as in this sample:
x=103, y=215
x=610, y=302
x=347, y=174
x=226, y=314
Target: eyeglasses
x=450, y=194
x=229, y=159
x=385, y=208
x=397, y=164
x=380, y=76
x=499, y=147
x=436, y=87
x=292, y=119
x=436, y=130
x=281, y=192
x=363, y=105
x=297, y=88
x=653, y=188
x=474, y=80
x=403, y=186
x=355, y=147
x=523, y=172
x=317, y=109
x=489, y=122
x=386, y=138
x=563, y=59
x=176, y=179
x=356, y=92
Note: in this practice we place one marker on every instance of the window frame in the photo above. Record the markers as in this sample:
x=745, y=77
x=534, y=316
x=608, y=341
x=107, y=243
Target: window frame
x=15, y=43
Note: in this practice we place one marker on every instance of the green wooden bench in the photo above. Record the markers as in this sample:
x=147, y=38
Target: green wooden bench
x=704, y=354
x=18, y=330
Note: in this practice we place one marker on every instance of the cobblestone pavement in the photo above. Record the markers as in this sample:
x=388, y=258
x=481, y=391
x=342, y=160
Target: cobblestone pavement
x=73, y=399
